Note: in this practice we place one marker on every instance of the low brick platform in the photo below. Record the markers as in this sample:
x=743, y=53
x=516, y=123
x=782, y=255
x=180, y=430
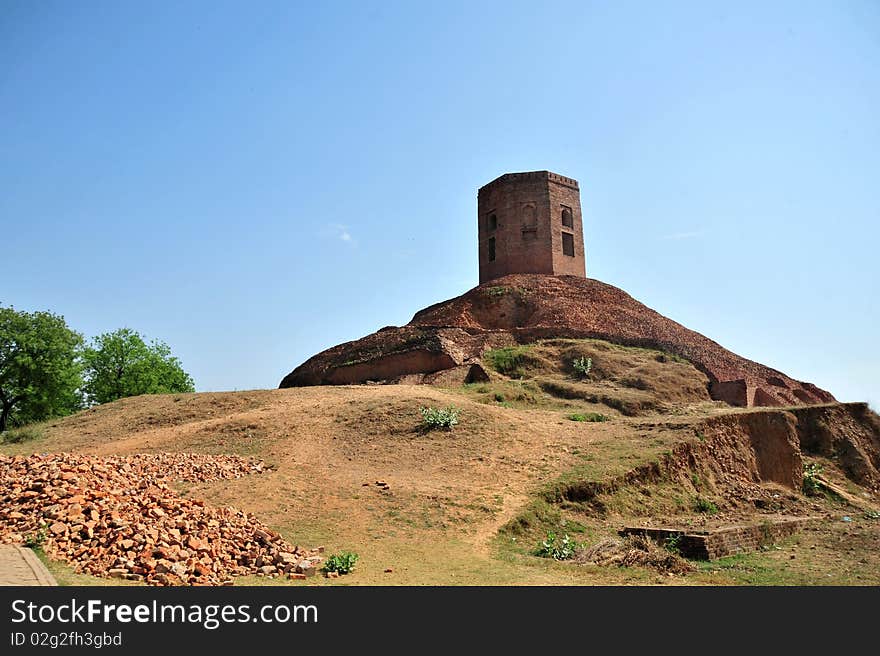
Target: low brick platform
x=726, y=541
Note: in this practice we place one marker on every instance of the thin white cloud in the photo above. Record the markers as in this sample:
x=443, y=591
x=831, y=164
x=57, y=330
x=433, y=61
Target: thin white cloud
x=341, y=232
x=683, y=235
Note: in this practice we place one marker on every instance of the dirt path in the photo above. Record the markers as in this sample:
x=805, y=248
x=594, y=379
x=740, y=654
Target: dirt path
x=20, y=566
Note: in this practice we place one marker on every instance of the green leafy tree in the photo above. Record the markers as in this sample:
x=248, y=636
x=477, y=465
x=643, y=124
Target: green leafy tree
x=40, y=370
x=121, y=364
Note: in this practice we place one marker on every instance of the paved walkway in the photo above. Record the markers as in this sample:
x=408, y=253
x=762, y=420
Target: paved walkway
x=20, y=566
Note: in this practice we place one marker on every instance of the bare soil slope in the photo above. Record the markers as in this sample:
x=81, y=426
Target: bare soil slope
x=351, y=468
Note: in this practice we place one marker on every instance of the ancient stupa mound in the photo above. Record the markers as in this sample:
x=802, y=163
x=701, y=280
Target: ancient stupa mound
x=444, y=343
x=533, y=286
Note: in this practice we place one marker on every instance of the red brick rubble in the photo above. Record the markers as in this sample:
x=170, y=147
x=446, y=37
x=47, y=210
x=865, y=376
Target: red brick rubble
x=117, y=517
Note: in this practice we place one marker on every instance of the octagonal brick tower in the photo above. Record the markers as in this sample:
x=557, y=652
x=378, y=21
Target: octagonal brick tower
x=530, y=223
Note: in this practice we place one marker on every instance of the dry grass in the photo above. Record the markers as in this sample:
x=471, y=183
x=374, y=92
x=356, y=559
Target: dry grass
x=632, y=381
x=634, y=551
x=450, y=492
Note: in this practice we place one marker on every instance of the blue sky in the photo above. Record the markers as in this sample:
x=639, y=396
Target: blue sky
x=255, y=182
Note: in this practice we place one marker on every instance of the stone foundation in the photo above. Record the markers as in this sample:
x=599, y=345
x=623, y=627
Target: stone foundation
x=727, y=541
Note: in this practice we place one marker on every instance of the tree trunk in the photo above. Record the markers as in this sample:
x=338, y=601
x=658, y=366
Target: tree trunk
x=4, y=416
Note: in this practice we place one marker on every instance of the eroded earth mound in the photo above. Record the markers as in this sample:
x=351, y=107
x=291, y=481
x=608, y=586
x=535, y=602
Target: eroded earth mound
x=446, y=343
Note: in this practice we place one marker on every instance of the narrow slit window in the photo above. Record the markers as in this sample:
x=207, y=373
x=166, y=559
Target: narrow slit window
x=493, y=221
x=491, y=249
x=568, y=244
x=567, y=221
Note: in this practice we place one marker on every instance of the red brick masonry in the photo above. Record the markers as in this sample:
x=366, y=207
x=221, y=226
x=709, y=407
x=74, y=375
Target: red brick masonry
x=524, y=215
x=717, y=543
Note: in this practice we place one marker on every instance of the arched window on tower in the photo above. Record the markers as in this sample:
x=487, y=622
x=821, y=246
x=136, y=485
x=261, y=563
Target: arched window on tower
x=567, y=221
x=493, y=221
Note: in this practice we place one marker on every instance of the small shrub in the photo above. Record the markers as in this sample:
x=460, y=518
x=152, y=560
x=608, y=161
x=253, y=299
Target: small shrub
x=672, y=544
x=703, y=505
x=499, y=397
x=23, y=434
x=587, y=416
x=507, y=360
x=811, y=485
x=343, y=562
x=582, y=366
x=36, y=540
x=695, y=480
x=440, y=417
x=497, y=291
x=553, y=547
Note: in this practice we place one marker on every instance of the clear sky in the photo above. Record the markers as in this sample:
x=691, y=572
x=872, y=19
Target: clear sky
x=252, y=182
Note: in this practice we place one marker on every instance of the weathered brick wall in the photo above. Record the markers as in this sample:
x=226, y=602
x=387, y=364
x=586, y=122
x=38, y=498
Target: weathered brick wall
x=709, y=545
x=564, y=192
x=528, y=225
x=743, y=539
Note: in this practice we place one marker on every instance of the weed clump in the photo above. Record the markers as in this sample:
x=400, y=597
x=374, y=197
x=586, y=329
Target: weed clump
x=811, y=485
x=342, y=563
x=672, y=543
x=557, y=549
x=35, y=540
x=582, y=366
x=703, y=505
x=436, y=418
x=497, y=291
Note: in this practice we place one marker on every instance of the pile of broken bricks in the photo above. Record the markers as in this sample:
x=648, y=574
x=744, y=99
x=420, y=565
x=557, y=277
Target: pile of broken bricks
x=116, y=517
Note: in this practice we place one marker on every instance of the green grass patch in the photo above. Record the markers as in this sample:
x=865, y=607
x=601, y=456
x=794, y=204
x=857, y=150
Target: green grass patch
x=587, y=416
x=508, y=360
x=22, y=434
x=538, y=518
x=703, y=505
